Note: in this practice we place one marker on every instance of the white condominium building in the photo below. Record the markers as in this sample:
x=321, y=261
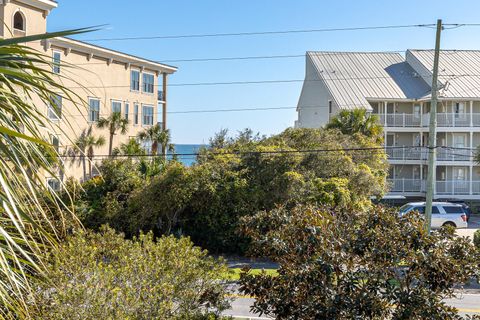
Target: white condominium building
x=397, y=88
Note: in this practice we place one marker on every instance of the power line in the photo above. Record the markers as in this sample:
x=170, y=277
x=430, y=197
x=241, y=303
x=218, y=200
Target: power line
x=252, y=152
x=237, y=34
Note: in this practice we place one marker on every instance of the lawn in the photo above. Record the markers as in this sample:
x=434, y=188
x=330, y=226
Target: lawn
x=233, y=274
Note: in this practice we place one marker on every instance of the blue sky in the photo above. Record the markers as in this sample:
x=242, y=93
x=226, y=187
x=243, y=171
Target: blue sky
x=159, y=17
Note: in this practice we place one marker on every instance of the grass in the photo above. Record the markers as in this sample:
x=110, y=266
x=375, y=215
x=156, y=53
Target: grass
x=233, y=274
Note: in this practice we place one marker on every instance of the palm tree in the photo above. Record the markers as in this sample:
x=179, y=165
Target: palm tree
x=114, y=123
x=132, y=147
x=157, y=136
x=357, y=121
x=26, y=155
x=84, y=147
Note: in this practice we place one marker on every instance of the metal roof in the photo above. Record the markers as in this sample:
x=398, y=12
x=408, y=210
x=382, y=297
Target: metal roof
x=353, y=78
x=459, y=71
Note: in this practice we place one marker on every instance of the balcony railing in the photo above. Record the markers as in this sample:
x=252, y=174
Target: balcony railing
x=450, y=187
x=406, y=120
x=457, y=187
x=407, y=185
x=414, y=153
x=421, y=153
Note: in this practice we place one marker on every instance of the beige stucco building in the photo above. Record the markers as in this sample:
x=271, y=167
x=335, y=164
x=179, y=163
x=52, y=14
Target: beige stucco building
x=104, y=79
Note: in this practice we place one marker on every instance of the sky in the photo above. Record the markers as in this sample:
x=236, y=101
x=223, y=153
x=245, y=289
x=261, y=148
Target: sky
x=122, y=18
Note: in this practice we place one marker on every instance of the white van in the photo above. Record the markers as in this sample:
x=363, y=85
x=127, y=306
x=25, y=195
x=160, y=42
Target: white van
x=443, y=213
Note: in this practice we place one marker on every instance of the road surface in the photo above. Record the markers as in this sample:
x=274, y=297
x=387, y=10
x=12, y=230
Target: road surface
x=466, y=303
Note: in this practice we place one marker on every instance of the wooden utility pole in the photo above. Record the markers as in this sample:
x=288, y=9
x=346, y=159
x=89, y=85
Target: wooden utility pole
x=164, y=98
x=164, y=112
x=432, y=168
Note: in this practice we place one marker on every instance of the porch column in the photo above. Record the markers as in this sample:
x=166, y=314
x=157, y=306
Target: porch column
x=471, y=178
x=385, y=109
x=471, y=114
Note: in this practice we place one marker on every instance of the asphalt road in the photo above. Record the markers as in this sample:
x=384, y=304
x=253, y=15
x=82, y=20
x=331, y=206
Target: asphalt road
x=465, y=303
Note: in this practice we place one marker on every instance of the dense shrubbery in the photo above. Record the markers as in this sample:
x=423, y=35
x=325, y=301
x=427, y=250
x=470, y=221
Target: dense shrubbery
x=234, y=178
x=103, y=276
x=343, y=264
x=476, y=239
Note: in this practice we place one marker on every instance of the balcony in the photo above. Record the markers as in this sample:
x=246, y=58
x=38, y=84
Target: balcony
x=407, y=153
x=409, y=120
x=450, y=188
x=421, y=153
x=406, y=185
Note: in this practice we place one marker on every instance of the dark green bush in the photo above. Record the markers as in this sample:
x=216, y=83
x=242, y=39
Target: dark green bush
x=104, y=276
x=476, y=239
x=343, y=264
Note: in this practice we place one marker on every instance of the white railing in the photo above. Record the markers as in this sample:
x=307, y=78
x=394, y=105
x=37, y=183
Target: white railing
x=402, y=120
x=453, y=119
x=450, y=187
x=456, y=187
x=407, y=185
x=414, y=153
x=405, y=120
x=445, y=154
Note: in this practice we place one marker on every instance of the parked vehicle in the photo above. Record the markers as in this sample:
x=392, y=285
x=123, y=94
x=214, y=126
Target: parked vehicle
x=443, y=213
x=466, y=208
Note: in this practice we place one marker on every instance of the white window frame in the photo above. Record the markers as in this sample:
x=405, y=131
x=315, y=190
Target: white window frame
x=24, y=30
x=457, y=176
x=132, y=89
x=90, y=99
x=51, y=109
x=136, y=114
x=56, y=65
x=143, y=83
x=115, y=101
x=143, y=115
x=416, y=111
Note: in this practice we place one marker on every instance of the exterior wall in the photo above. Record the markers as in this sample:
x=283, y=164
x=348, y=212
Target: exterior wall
x=36, y=19
x=104, y=82
x=313, y=105
x=87, y=76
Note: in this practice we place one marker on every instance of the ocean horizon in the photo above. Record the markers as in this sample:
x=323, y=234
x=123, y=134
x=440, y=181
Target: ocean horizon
x=187, y=150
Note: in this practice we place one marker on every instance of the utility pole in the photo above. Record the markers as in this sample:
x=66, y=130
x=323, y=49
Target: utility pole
x=432, y=154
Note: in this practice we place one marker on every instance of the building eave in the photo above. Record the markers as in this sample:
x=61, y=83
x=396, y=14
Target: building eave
x=111, y=55
x=46, y=5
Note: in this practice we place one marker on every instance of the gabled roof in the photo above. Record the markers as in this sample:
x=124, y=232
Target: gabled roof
x=459, y=71
x=353, y=78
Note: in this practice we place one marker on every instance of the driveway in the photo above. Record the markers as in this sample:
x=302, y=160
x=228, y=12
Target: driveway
x=473, y=225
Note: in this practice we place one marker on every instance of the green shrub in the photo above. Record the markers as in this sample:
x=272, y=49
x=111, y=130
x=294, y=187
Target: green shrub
x=476, y=239
x=343, y=264
x=104, y=276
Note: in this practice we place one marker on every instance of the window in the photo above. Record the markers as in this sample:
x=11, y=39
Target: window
x=53, y=184
x=55, y=107
x=116, y=107
x=135, y=114
x=55, y=142
x=459, y=174
x=127, y=109
x=435, y=210
x=459, y=110
x=94, y=110
x=420, y=209
x=135, y=80
x=19, y=21
x=330, y=106
x=57, y=59
x=453, y=209
x=147, y=115
x=416, y=111
x=148, y=83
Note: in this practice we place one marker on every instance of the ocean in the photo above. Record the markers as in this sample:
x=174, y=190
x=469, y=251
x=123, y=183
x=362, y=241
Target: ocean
x=187, y=149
